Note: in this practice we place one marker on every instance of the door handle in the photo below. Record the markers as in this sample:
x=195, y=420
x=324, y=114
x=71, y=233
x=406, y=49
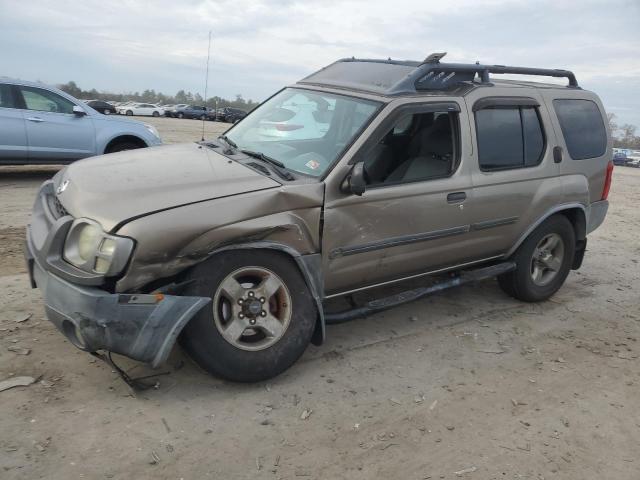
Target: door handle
x=35, y=119
x=557, y=154
x=456, y=197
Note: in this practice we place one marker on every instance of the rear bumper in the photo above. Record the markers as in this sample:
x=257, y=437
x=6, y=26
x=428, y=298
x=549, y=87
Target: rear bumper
x=597, y=212
x=139, y=326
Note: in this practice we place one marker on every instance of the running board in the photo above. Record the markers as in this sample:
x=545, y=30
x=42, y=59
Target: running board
x=375, y=306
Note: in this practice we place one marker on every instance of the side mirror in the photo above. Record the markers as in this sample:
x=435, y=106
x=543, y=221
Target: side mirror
x=79, y=111
x=356, y=181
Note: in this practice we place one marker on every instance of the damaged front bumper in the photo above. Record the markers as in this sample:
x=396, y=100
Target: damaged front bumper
x=143, y=327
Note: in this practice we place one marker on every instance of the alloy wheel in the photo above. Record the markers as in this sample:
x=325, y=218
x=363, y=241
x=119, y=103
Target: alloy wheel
x=547, y=259
x=252, y=308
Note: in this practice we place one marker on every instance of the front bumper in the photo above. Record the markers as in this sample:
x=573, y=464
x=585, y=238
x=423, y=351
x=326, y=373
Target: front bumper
x=140, y=326
x=143, y=327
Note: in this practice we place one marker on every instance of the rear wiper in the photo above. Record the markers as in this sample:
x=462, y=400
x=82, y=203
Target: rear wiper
x=272, y=161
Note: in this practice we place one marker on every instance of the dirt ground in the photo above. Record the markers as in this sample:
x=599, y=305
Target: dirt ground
x=467, y=384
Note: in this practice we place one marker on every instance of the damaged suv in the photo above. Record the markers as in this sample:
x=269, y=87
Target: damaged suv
x=363, y=174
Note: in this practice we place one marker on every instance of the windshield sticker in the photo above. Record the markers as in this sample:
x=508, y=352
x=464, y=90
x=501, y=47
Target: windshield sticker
x=312, y=164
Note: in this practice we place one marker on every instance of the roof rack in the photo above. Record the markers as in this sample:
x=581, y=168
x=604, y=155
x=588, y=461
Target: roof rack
x=394, y=77
x=433, y=75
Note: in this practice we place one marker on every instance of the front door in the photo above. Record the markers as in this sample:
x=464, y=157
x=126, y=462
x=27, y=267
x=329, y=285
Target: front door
x=13, y=134
x=413, y=215
x=54, y=132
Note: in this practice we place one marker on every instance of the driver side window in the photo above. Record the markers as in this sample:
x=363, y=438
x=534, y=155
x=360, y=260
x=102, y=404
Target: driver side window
x=45, y=101
x=418, y=146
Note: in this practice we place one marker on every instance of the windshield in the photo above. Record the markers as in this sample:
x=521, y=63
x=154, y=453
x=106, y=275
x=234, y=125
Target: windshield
x=304, y=130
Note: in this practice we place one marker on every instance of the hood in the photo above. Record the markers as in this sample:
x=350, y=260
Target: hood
x=114, y=188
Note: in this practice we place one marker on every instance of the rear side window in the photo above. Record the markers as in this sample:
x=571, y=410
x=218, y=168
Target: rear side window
x=6, y=97
x=582, y=128
x=509, y=138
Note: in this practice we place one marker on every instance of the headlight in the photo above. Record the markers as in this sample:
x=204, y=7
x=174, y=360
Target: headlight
x=152, y=130
x=87, y=238
x=89, y=248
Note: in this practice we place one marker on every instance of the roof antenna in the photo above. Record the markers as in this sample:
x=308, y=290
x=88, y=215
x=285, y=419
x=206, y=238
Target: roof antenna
x=206, y=84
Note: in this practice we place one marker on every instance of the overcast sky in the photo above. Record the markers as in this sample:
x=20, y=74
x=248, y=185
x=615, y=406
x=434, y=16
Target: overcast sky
x=259, y=46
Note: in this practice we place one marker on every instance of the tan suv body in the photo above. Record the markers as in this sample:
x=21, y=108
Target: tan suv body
x=375, y=172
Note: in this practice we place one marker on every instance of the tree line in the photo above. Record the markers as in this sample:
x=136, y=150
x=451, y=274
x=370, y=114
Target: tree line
x=624, y=136
x=151, y=96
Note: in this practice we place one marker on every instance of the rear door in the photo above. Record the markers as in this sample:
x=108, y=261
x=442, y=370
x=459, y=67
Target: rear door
x=13, y=133
x=515, y=178
x=54, y=132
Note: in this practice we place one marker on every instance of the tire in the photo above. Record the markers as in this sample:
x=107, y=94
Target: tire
x=129, y=113
x=107, y=112
x=203, y=117
x=180, y=115
x=156, y=114
x=122, y=146
x=253, y=356
x=553, y=243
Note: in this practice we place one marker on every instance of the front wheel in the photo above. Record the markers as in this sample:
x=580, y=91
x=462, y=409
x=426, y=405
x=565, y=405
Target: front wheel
x=543, y=261
x=129, y=113
x=181, y=115
x=261, y=318
x=156, y=114
x=122, y=146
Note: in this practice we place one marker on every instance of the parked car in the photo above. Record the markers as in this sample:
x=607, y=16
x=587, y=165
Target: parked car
x=633, y=161
x=170, y=112
x=235, y=244
x=619, y=158
x=42, y=124
x=191, y=111
x=102, y=107
x=141, y=109
x=227, y=114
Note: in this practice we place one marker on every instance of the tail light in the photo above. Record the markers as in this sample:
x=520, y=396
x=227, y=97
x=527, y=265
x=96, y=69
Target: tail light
x=607, y=180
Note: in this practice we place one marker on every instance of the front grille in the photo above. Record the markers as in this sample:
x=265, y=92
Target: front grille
x=56, y=207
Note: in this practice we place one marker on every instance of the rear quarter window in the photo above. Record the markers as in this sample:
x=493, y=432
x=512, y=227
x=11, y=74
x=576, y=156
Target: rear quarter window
x=582, y=127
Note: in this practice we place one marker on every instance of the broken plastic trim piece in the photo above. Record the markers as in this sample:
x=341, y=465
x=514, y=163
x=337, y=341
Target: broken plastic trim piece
x=375, y=306
x=136, y=384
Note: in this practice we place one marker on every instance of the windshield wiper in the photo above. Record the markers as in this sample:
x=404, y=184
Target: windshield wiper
x=228, y=141
x=262, y=156
x=277, y=164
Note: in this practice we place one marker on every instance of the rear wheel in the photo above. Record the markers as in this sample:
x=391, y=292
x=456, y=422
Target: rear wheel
x=107, y=111
x=156, y=114
x=543, y=261
x=261, y=318
x=180, y=115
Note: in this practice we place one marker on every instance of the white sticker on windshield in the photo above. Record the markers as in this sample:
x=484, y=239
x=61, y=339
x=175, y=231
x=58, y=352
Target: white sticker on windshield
x=312, y=164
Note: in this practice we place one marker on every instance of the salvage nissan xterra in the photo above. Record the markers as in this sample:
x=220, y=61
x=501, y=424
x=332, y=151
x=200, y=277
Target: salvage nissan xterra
x=363, y=174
